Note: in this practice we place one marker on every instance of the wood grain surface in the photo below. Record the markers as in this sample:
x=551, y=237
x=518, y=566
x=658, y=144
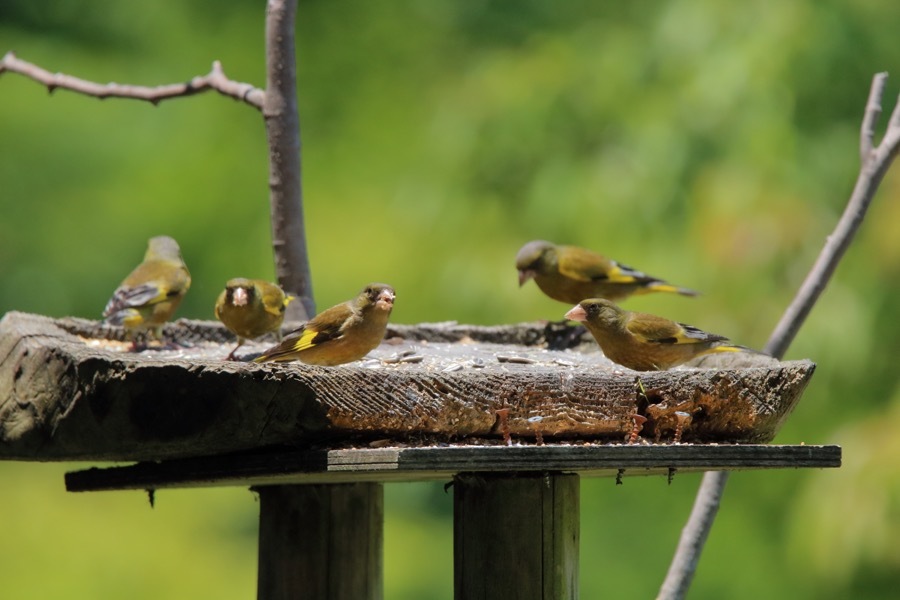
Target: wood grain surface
x=70, y=389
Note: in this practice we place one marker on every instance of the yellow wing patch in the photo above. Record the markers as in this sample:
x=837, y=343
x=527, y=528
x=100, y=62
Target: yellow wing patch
x=663, y=287
x=618, y=275
x=132, y=319
x=727, y=349
x=306, y=340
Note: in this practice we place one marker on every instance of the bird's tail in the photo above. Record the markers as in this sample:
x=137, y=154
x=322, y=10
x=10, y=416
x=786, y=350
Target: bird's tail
x=662, y=286
x=264, y=357
x=731, y=356
x=729, y=348
x=279, y=353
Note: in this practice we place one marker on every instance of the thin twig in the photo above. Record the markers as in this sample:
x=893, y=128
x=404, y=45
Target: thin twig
x=873, y=111
x=875, y=163
x=283, y=132
x=214, y=80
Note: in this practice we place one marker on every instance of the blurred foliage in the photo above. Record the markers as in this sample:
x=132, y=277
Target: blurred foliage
x=710, y=143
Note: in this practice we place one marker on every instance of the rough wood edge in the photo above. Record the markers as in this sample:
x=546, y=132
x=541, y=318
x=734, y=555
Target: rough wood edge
x=89, y=395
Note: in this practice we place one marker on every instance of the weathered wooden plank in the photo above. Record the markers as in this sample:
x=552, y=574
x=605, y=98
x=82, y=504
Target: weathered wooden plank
x=515, y=536
x=70, y=391
x=321, y=541
x=423, y=464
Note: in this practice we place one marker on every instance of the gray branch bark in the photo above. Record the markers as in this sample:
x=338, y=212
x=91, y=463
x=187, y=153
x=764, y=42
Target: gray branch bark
x=214, y=80
x=875, y=162
x=283, y=132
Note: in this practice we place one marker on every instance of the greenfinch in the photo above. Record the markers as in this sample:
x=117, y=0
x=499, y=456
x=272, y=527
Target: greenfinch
x=148, y=297
x=340, y=334
x=570, y=274
x=644, y=342
x=250, y=308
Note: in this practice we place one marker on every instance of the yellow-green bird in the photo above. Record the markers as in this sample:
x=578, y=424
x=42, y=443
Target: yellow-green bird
x=645, y=342
x=148, y=297
x=340, y=334
x=250, y=308
x=570, y=274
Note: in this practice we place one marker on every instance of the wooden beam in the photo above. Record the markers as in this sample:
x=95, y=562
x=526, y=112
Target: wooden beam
x=515, y=536
x=321, y=541
x=431, y=463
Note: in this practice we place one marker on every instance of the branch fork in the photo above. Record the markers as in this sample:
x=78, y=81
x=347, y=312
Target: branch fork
x=875, y=161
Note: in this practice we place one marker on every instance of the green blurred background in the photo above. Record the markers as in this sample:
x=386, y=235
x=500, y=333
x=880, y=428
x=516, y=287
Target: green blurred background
x=712, y=144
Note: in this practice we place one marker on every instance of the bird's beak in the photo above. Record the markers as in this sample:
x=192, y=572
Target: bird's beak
x=239, y=297
x=385, y=300
x=525, y=275
x=577, y=314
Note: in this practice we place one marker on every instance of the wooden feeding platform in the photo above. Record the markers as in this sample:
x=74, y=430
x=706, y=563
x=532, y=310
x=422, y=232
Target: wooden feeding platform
x=511, y=414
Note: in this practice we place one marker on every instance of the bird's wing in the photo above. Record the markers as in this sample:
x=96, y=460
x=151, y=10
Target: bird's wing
x=325, y=326
x=272, y=305
x=620, y=273
x=149, y=284
x=657, y=330
x=692, y=335
x=583, y=265
x=133, y=297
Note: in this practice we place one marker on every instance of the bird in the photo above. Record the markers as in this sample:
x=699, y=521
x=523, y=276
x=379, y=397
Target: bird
x=251, y=308
x=571, y=274
x=148, y=297
x=644, y=342
x=340, y=334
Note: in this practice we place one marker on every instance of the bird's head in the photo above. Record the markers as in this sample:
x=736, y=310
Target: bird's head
x=534, y=258
x=162, y=247
x=596, y=310
x=380, y=295
x=239, y=292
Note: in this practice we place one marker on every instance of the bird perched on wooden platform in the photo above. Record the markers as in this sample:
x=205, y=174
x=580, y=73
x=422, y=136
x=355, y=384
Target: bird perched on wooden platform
x=570, y=274
x=251, y=308
x=340, y=334
x=148, y=297
x=645, y=342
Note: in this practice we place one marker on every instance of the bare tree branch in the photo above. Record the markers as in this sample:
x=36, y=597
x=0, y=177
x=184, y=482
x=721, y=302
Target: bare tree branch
x=875, y=163
x=278, y=104
x=214, y=80
x=873, y=111
x=693, y=536
x=283, y=131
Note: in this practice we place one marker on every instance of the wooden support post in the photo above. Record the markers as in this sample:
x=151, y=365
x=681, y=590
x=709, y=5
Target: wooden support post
x=321, y=541
x=516, y=536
